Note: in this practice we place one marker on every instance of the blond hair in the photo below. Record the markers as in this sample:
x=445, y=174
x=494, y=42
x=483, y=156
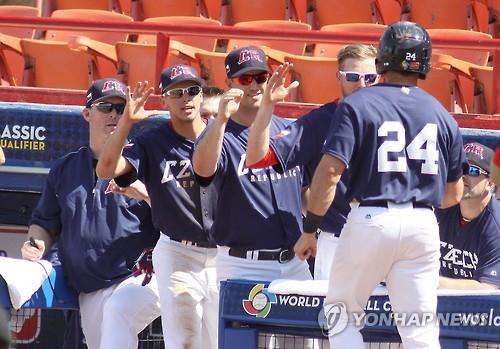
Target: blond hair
x=356, y=51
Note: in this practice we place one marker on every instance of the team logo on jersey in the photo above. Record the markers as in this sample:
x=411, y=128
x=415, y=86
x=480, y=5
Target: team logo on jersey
x=249, y=55
x=110, y=85
x=179, y=71
x=259, y=301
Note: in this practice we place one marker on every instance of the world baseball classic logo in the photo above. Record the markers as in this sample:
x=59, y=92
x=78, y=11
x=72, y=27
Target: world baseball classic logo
x=259, y=301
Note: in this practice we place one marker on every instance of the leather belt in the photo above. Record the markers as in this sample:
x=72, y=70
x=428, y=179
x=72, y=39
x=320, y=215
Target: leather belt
x=385, y=204
x=203, y=244
x=282, y=256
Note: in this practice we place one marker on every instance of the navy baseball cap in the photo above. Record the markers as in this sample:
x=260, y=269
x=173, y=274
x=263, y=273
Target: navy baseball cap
x=104, y=88
x=479, y=155
x=245, y=59
x=177, y=73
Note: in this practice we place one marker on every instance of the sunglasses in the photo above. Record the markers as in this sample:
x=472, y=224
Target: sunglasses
x=475, y=171
x=247, y=79
x=107, y=107
x=179, y=92
x=352, y=76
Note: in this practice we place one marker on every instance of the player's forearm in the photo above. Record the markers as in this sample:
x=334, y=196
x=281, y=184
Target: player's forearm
x=258, y=138
x=453, y=193
x=39, y=233
x=111, y=164
x=324, y=184
x=464, y=284
x=207, y=152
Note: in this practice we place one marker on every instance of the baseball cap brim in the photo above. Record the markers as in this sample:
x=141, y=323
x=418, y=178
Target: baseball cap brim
x=103, y=98
x=248, y=69
x=179, y=80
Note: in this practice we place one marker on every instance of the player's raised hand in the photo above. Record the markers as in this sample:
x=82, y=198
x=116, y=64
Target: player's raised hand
x=33, y=249
x=229, y=103
x=134, y=111
x=137, y=190
x=275, y=90
x=305, y=246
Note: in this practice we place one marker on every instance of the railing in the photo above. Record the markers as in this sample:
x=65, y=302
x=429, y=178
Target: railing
x=162, y=30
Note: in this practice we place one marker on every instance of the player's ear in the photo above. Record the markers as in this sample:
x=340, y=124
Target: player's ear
x=86, y=114
x=163, y=101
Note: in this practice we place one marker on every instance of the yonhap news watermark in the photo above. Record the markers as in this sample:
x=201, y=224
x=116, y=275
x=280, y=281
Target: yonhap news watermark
x=333, y=318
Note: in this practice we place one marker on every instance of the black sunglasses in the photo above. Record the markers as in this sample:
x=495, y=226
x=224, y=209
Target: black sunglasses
x=179, y=92
x=246, y=79
x=475, y=171
x=107, y=107
x=352, y=76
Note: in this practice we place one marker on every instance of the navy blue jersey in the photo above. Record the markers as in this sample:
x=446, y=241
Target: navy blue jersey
x=400, y=144
x=100, y=234
x=472, y=250
x=300, y=143
x=161, y=158
x=257, y=209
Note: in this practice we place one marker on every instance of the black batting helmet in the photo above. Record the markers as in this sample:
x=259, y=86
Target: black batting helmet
x=404, y=47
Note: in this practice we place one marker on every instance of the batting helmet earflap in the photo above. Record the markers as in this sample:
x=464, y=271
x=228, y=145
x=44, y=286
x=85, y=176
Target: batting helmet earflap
x=404, y=47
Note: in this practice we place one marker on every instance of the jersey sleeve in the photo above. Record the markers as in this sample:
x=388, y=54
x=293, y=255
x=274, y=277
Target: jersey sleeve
x=341, y=140
x=134, y=153
x=47, y=212
x=457, y=160
x=488, y=267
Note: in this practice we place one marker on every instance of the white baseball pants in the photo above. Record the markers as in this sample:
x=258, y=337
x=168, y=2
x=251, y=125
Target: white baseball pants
x=188, y=293
x=327, y=245
x=114, y=316
x=400, y=244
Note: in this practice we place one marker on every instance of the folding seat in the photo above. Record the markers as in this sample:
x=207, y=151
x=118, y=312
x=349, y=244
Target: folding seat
x=483, y=89
x=163, y=8
x=255, y=10
x=49, y=6
x=292, y=47
x=360, y=11
x=473, y=56
x=11, y=59
x=450, y=82
x=494, y=18
x=317, y=77
x=331, y=50
x=212, y=68
x=450, y=14
x=51, y=64
x=202, y=42
x=137, y=62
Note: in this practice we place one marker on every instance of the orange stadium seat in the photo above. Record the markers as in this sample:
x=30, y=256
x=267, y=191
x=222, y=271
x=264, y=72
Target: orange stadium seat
x=11, y=59
x=212, y=8
x=317, y=77
x=163, y=8
x=212, y=68
x=450, y=82
x=255, y=10
x=293, y=47
x=137, y=62
x=331, y=50
x=202, y=42
x=483, y=89
x=451, y=14
x=494, y=18
x=50, y=6
x=361, y=11
x=51, y=64
x=473, y=56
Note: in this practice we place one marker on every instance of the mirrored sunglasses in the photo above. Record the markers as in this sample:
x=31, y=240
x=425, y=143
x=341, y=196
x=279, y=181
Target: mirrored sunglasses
x=475, y=171
x=352, y=76
x=179, y=92
x=246, y=79
x=107, y=107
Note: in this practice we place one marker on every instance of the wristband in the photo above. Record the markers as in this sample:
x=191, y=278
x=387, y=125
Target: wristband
x=311, y=223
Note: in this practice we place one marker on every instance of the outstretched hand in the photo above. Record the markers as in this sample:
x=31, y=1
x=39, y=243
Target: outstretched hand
x=275, y=90
x=229, y=103
x=134, y=111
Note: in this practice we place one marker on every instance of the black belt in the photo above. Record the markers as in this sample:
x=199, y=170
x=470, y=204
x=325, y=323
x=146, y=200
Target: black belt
x=284, y=255
x=385, y=204
x=204, y=244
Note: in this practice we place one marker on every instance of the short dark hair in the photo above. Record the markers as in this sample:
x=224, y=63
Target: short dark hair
x=212, y=91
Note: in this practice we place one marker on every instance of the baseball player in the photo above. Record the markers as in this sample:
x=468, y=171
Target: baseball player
x=470, y=231
x=184, y=258
x=404, y=159
x=258, y=216
x=300, y=143
x=100, y=233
